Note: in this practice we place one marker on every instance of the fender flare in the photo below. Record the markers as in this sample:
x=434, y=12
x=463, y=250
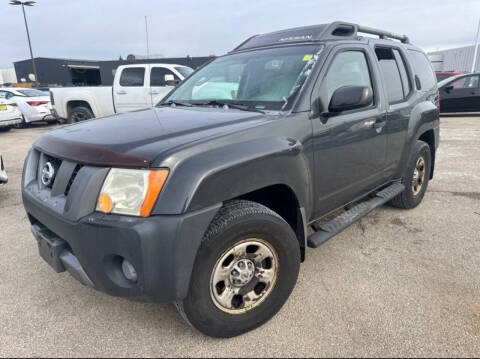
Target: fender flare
x=230, y=171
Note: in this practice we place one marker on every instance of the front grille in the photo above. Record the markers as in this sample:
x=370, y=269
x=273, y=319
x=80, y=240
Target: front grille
x=51, y=175
x=72, y=178
x=73, y=182
x=56, y=163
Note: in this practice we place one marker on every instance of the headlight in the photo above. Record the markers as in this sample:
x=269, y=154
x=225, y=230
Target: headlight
x=131, y=192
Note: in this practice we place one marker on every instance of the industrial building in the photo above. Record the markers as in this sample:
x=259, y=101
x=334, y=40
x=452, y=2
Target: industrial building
x=457, y=60
x=70, y=72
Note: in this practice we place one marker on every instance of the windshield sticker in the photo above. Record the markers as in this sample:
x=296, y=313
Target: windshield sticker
x=307, y=58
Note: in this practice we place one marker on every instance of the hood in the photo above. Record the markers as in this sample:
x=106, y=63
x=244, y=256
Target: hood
x=135, y=139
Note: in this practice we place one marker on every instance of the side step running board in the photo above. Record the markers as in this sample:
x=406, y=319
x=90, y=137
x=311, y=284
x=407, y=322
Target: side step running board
x=338, y=224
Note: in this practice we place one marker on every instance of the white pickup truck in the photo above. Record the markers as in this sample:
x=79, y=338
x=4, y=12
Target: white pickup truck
x=134, y=87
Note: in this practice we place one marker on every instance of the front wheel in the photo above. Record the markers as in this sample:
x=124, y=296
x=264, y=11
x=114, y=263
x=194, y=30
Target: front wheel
x=416, y=177
x=22, y=124
x=245, y=270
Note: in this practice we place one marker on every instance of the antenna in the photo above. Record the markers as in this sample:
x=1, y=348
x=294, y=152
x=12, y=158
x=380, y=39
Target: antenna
x=146, y=35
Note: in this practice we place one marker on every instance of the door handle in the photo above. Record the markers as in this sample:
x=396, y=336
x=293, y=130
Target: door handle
x=379, y=124
x=121, y=92
x=153, y=93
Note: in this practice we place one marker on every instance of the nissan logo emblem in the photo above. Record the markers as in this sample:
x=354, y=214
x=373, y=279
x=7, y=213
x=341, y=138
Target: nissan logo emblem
x=48, y=174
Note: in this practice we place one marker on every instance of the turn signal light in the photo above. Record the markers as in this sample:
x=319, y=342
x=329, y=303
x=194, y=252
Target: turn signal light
x=156, y=179
x=105, y=203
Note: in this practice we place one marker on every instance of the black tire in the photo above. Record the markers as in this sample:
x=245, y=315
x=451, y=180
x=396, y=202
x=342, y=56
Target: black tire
x=79, y=114
x=22, y=124
x=5, y=128
x=236, y=221
x=408, y=199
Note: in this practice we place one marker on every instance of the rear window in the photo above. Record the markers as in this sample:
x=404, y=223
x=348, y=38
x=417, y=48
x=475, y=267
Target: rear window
x=391, y=74
x=423, y=69
x=32, y=93
x=132, y=76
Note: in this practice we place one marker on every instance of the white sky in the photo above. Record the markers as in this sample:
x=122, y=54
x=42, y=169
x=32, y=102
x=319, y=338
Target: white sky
x=106, y=29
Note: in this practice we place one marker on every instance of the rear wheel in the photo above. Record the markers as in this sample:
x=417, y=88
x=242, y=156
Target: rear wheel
x=245, y=270
x=5, y=128
x=79, y=114
x=416, y=177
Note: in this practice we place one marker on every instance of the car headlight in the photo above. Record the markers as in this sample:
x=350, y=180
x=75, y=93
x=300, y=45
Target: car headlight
x=131, y=192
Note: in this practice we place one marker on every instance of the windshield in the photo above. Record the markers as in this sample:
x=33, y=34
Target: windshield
x=263, y=79
x=447, y=80
x=32, y=93
x=185, y=71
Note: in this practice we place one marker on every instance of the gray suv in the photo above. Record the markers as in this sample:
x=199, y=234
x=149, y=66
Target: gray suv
x=206, y=199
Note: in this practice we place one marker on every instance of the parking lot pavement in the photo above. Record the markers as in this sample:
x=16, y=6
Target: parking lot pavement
x=397, y=283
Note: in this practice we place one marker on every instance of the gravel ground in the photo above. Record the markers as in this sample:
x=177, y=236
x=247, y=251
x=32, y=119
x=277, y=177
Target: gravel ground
x=397, y=283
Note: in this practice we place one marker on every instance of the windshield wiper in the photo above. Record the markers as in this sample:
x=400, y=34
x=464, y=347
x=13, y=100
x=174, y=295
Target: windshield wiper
x=227, y=105
x=175, y=103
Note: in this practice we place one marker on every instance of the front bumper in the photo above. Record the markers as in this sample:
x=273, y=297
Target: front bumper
x=161, y=248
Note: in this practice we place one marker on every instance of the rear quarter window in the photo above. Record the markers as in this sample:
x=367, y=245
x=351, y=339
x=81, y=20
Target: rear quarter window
x=423, y=69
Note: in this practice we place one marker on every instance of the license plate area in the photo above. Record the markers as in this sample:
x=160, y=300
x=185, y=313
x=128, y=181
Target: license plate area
x=50, y=247
x=3, y=107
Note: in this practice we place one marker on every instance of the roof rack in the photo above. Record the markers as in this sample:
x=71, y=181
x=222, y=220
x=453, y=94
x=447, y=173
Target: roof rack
x=383, y=34
x=338, y=30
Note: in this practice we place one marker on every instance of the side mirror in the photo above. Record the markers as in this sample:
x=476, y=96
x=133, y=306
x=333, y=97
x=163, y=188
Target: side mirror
x=448, y=88
x=350, y=98
x=170, y=80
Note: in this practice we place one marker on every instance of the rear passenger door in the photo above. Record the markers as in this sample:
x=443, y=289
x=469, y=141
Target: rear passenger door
x=398, y=88
x=349, y=147
x=159, y=87
x=131, y=90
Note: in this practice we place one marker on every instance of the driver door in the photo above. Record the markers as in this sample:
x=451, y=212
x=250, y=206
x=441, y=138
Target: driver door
x=349, y=147
x=159, y=86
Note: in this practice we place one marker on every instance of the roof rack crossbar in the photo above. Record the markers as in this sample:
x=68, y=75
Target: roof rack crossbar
x=383, y=34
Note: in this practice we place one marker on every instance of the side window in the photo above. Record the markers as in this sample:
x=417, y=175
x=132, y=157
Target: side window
x=9, y=95
x=465, y=82
x=423, y=69
x=157, y=76
x=348, y=68
x=391, y=74
x=132, y=77
x=403, y=72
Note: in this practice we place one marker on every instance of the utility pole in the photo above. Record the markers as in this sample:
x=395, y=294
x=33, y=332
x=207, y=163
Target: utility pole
x=27, y=3
x=146, y=35
x=475, y=50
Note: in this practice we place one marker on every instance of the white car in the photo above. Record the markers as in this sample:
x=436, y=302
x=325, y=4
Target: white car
x=33, y=104
x=9, y=115
x=135, y=87
x=3, y=173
